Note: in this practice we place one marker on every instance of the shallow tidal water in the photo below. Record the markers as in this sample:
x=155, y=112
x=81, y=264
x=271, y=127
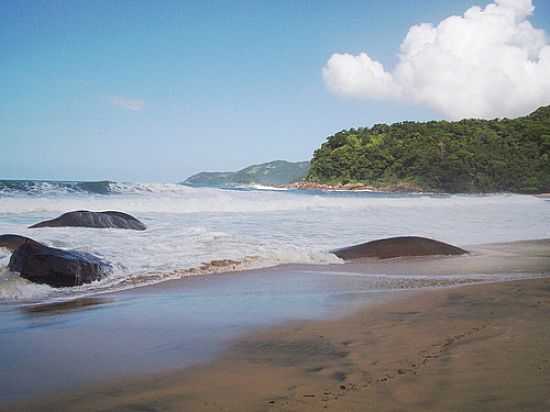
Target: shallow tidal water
x=46, y=348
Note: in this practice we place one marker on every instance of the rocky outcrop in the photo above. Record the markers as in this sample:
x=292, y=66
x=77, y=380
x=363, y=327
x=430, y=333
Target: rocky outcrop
x=85, y=218
x=397, y=187
x=12, y=242
x=56, y=267
x=325, y=186
x=398, y=247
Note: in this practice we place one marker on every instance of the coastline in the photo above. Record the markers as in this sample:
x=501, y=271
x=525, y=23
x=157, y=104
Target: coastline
x=475, y=347
x=402, y=187
x=481, y=347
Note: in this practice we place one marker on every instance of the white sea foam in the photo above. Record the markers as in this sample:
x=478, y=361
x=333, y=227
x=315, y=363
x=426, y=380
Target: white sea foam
x=13, y=287
x=189, y=226
x=173, y=198
x=264, y=187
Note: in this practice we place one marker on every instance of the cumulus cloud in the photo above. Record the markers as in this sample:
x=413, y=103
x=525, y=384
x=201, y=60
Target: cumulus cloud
x=490, y=62
x=134, y=105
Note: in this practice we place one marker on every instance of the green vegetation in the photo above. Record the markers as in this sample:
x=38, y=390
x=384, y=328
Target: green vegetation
x=278, y=172
x=464, y=156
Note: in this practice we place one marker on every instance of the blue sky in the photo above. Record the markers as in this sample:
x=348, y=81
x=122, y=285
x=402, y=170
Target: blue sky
x=155, y=91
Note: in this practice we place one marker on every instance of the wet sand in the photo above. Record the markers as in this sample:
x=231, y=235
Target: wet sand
x=483, y=347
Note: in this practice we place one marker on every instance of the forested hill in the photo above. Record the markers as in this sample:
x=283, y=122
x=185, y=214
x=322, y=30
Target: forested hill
x=464, y=156
x=278, y=172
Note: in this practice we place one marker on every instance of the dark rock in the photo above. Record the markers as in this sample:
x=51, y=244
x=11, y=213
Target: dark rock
x=12, y=242
x=56, y=267
x=84, y=218
x=398, y=247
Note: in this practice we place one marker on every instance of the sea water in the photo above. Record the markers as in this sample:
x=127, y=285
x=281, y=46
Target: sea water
x=63, y=344
x=256, y=227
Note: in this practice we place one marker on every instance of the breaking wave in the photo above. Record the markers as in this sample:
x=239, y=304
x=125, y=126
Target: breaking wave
x=195, y=231
x=49, y=187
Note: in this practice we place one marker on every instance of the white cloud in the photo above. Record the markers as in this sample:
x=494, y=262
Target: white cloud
x=359, y=76
x=490, y=62
x=134, y=105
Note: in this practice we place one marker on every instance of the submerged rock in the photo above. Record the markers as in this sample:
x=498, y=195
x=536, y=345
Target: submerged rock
x=398, y=247
x=12, y=242
x=56, y=267
x=85, y=218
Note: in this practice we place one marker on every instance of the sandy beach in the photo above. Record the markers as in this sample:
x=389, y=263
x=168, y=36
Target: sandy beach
x=479, y=347
x=275, y=206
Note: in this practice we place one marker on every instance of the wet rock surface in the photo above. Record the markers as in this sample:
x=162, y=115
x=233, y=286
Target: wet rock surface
x=398, y=247
x=56, y=267
x=85, y=218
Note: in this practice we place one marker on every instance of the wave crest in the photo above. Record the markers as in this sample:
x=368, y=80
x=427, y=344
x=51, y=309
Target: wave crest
x=50, y=187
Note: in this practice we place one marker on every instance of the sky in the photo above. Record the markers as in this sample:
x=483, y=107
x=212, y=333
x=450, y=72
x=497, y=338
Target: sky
x=156, y=91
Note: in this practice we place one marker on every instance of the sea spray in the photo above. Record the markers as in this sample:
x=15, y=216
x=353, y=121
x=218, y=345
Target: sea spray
x=190, y=227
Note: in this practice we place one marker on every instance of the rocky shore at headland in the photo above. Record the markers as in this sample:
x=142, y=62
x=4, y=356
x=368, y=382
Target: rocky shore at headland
x=396, y=187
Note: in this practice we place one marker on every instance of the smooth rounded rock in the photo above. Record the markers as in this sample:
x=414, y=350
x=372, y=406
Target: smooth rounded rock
x=85, y=218
x=56, y=267
x=398, y=247
x=12, y=242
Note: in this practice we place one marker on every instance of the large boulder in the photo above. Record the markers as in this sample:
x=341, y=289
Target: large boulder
x=398, y=247
x=85, y=218
x=12, y=242
x=56, y=267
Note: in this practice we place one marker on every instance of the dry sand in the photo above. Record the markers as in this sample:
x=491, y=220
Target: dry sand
x=484, y=347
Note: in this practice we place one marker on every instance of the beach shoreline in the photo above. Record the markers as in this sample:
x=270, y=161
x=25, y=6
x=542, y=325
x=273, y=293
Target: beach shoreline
x=474, y=347
x=399, y=187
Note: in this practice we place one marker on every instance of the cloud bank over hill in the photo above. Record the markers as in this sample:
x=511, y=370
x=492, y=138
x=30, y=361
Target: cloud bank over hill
x=490, y=62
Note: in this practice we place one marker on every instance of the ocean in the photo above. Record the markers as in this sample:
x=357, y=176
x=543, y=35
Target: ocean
x=187, y=228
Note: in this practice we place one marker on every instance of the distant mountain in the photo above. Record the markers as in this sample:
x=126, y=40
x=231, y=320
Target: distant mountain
x=212, y=179
x=278, y=172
